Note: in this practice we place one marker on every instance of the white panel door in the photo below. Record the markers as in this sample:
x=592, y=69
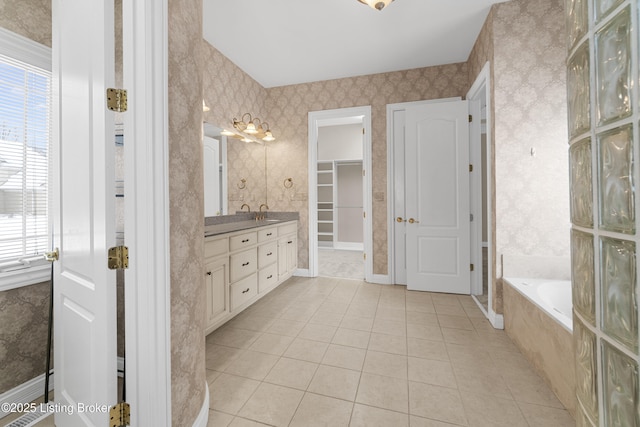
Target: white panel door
x=211, y=159
x=83, y=209
x=437, y=197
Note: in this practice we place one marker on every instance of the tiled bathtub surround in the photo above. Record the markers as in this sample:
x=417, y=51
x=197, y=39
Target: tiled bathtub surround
x=338, y=352
x=603, y=38
x=545, y=343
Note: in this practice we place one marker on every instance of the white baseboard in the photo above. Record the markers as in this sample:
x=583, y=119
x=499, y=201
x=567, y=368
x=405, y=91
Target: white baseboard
x=25, y=392
x=203, y=416
x=348, y=246
x=497, y=320
x=302, y=272
x=381, y=279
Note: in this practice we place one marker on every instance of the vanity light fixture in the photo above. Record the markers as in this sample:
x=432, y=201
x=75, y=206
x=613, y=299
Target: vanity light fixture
x=251, y=129
x=204, y=106
x=227, y=133
x=376, y=4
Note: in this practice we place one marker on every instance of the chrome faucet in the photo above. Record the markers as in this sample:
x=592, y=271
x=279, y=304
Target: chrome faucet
x=262, y=215
x=248, y=207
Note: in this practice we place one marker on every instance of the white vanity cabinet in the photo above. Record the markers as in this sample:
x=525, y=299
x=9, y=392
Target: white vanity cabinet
x=243, y=266
x=287, y=250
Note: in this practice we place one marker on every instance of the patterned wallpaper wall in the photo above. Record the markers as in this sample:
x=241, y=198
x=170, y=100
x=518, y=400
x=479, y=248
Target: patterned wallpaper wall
x=230, y=92
x=186, y=204
x=530, y=112
x=287, y=157
x=24, y=312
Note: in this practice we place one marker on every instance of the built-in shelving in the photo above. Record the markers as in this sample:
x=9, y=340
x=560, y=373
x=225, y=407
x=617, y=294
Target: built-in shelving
x=325, y=203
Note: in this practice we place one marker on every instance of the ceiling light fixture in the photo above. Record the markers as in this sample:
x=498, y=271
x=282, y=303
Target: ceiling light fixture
x=376, y=4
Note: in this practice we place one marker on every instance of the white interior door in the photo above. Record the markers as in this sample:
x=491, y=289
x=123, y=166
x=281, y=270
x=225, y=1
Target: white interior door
x=211, y=157
x=437, y=197
x=83, y=181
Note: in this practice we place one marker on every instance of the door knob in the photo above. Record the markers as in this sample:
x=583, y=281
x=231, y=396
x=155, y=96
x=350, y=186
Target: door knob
x=411, y=221
x=399, y=219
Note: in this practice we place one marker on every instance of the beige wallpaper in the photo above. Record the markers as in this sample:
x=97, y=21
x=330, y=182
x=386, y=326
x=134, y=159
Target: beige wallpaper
x=525, y=43
x=532, y=191
x=24, y=312
x=230, y=92
x=186, y=210
x=31, y=19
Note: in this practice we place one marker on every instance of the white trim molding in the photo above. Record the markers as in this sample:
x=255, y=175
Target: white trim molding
x=332, y=118
x=147, y=294
x=203, y=416
x=25, y=392
x=24, y=49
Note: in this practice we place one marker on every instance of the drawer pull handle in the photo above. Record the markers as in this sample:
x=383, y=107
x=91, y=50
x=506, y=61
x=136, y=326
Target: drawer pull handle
x=270, y=276
x=208, y=273
x=270, y=253
x=245, y=240
x=290, y=242
x=245, y=264
x=245, y=291
x=269, y=234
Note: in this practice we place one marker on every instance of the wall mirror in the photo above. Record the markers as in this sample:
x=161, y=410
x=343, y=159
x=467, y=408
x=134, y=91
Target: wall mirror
x=240, y=176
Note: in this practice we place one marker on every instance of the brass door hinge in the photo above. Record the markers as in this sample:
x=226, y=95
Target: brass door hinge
x=118, y=258
x=470, y=118
x=363, y=131
x=470, y=168
x=364, y=255
x=471, y=267
x=364, y=214
x=117, y=100
x=120, y=415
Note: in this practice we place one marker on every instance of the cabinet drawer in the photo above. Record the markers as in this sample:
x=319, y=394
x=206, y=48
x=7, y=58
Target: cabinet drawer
x=216, y=247
x=288, y=229
x=242, y=264
x=242, y=241
x=244, y=290
x=267, y=234
x=267, y=254
x=267, y=278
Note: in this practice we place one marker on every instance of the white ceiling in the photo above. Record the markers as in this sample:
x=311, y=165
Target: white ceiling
x=282, y=42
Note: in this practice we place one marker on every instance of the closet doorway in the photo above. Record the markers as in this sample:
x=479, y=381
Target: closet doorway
x=338, y=196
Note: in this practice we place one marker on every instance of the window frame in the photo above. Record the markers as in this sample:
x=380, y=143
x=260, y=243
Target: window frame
x=31, y=52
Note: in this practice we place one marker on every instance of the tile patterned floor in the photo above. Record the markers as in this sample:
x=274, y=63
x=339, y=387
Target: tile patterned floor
x=333, y=352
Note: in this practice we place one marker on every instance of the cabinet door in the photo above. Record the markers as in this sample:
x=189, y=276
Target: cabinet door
x=283, y=257
x=292, y=254
x=217, y=289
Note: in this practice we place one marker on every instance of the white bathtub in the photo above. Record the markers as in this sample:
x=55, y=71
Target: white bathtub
x=552, y=296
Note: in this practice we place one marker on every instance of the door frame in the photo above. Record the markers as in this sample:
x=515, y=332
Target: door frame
x=329, y=118
x=391, y=168
x=148, y=284
x=481, y=87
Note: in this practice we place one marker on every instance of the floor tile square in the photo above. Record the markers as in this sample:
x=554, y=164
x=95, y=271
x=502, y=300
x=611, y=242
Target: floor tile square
x=434, y=372
x=383, y=392
x=321, y=411
x=252, y=364
x=271, y=344
x=290, y=328
x=385, y=364
x=344, y=357
x=272, y=404
x=389, y=327
x=438, y=403
x=368, y=416
x=335, y=382
x=318, y=332
x=229, y=393
x=292, y=373
x=425, y=332
x=427, y=349
x=352, y=338
x=388, y=343
x=492, y=411
x=357, y=323
x=310, y=351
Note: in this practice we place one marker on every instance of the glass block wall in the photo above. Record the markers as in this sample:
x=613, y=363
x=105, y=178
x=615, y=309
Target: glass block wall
x=604, y=115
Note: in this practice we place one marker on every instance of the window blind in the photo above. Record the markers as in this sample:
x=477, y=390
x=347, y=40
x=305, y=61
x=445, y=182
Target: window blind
x=25, y=131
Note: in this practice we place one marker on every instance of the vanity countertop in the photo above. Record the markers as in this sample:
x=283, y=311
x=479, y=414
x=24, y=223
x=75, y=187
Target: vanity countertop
x=244, y=221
